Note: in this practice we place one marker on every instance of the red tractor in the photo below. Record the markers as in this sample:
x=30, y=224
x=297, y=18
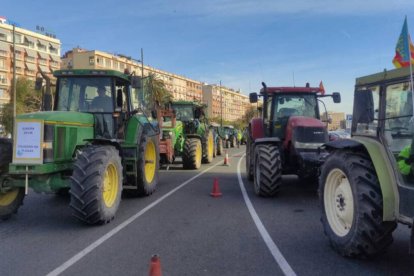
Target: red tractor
x=287, y=138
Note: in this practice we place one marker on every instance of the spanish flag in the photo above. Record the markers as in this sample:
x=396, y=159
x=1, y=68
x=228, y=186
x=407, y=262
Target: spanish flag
x=404, y=51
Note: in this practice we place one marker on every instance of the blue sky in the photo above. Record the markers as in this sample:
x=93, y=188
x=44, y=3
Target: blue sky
x=241, y=43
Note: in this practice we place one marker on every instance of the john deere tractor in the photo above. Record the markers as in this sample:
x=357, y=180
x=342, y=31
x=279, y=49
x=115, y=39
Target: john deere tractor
x=367, y=182
x=193, y=140
x=286, y=139
x=94, y=145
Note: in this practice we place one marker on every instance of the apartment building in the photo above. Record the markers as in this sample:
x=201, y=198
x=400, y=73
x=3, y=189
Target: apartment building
x=34, y=52
x=338, y=120
x=182, y=88
x=226, y=102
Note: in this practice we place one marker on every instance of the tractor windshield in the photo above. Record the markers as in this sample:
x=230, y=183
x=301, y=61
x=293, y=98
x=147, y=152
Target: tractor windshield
x=285, y=105
x=184, y=112
x=398, y=124
x=84, y=94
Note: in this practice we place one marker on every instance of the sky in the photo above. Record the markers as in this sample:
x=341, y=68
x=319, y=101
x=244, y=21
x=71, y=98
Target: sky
x=240, y=43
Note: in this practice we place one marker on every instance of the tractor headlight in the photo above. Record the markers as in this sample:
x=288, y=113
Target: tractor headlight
x=300, y=145
x=48, y=137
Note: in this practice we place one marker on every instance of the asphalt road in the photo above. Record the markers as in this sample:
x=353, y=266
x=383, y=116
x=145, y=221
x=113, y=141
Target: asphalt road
x=192, y=232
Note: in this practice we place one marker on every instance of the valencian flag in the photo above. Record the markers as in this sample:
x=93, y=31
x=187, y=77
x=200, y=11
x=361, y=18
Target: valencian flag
x=404, y=51
x=321, y=88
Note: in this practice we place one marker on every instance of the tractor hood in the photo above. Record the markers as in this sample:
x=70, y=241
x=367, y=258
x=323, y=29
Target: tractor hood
x=301, y=121
x=60, y=117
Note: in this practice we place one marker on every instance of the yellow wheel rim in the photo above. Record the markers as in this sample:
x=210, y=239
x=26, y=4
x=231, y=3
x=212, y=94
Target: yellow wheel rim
x=8, y=197
x=210, y=150
x=150, y=162
x=199, y=154
x=110, y=185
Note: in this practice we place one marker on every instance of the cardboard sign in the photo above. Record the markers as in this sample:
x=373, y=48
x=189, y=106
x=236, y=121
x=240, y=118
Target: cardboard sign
x=28, y=141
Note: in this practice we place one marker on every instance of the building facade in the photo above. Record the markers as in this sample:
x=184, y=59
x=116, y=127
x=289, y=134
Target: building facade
x=338, y=120
x=225, y=102
x=181, y=88
x=34, y=52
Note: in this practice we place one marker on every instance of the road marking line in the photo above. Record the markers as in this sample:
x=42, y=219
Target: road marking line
x=111, y=233
x=277, y=255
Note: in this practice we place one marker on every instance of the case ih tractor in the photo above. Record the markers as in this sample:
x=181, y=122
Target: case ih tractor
x=286, y=139
x=95, y=141
x=191, y=137
x=367, y=182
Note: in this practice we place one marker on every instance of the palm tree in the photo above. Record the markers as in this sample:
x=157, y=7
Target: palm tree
x=157, y=94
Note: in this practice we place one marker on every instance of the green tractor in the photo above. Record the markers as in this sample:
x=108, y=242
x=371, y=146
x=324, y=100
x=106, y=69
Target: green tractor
x=192, y=138
x=93, y=139
x=230, y=136
x=366, y=185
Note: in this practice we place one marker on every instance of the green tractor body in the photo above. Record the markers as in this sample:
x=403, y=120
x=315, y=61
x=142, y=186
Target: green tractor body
x=367, y=182
x=193, y=139
x=93, y=145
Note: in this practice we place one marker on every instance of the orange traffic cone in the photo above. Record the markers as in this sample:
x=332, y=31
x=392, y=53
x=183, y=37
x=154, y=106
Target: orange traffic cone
x=216, y=190
x=226, y=159
x=155, y=266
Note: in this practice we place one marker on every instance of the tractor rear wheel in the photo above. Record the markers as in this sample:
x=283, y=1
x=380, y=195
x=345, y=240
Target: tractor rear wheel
x=147, y=166
x=96, y=184
x=219, y=146
x=267, y=170
x=192, y=154
x=208, y=148
x=351, y=201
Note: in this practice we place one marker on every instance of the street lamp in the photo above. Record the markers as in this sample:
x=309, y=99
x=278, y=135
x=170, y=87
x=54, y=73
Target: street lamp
x=221, y=105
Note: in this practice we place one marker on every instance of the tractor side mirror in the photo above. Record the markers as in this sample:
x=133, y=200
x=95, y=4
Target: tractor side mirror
x=119, y=100
x=38, y=84
x=47, y=102
x=363, y=107
x=253, y=97
x=336, y=96
x=154, y=114
x=136, y=82
x=197, y=113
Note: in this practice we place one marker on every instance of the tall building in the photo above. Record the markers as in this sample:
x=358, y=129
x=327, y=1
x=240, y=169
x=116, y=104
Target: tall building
x=338, y=120
x=182, y=88
x=226, y=102
x=34, y=52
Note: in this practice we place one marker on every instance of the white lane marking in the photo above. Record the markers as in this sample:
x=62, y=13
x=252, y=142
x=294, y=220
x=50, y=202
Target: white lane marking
x=277, y=255
x=111, y=233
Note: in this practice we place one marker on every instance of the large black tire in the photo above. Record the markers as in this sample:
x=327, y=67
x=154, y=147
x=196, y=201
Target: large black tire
x=219, y=146
x=352, y=206
x=249, y=160
x=208, y=148
x=96, y=184
x=192, y=154
x=12, y=198
x=267, y=170
x=147, y=166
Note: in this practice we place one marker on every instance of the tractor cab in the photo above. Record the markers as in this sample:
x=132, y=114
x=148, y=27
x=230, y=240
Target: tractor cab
x=105, y=95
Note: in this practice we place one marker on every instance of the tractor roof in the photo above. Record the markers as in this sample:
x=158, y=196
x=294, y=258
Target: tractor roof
x=290, y=89
x=384, y=76
x=90, y=72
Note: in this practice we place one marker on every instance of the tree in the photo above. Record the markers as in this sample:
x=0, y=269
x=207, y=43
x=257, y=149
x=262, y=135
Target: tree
x=157, y=94
x=250, y=113
x=27, y=100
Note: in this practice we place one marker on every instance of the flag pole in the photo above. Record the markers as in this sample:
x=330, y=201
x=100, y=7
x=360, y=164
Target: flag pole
x=409, y=64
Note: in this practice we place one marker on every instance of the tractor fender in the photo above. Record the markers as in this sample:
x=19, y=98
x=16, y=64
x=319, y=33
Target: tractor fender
x=257, y=128
x=267, y=140
x=194, y=136
x=383, y=167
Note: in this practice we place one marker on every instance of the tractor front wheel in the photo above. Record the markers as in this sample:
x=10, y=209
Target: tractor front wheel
x=267, y=170
x=352, y=206
x=192, y=154
x=10, y=202
x=96, y=184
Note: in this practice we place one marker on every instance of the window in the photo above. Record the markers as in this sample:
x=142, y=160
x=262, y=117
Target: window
x=2, y=64
x=2, y=94
x=92, y=60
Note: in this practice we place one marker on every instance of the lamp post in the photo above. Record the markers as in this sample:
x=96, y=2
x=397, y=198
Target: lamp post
x=221, y=105
x=14, y=79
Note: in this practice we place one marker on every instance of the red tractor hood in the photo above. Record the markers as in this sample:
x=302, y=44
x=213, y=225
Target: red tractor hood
x=296, y=121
